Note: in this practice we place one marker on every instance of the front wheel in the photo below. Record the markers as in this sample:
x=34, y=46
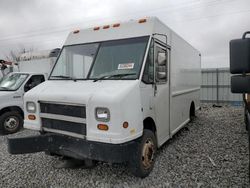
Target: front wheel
x=11, y=122
x=142, y=162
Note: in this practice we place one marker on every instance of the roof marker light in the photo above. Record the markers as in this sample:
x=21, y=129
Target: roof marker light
x=142, y=20
x=76, y=31
x=106, y=27
x=116, y=25
x=96, y=28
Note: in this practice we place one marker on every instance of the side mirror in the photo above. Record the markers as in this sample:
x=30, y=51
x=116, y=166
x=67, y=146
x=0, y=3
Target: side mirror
x=161, y=75
x=240, y=84
x=161, y=58
x=161, y=72
x=240, y=55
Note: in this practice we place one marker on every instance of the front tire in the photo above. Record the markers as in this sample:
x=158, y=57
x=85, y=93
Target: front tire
x=11, y=122
x=142, y=162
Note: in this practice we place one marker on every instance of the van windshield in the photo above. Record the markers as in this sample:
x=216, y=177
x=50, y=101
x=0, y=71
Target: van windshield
x=118, y=59
x=12, y=82
x=74, y=62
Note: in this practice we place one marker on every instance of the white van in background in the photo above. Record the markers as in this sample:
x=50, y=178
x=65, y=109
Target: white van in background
x=34, y=68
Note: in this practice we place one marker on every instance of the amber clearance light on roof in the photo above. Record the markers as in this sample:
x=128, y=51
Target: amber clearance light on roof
x=116, y=25
x=76, y=31
x=96, y=28
x=106, y=27
x=142, y=20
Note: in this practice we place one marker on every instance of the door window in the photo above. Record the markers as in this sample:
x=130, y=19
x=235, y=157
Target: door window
x=161, y=64
x=33, y=82
x=148, y=74
x=156, y=67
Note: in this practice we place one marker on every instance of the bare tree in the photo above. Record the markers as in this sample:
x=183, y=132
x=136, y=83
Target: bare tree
x=13, y=58
x=14, y=55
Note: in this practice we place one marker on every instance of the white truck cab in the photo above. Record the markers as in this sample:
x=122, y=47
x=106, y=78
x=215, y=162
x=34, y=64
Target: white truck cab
x=14, y=85
x=116, y=94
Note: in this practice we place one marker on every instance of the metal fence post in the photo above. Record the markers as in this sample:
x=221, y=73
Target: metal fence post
x=217, y=86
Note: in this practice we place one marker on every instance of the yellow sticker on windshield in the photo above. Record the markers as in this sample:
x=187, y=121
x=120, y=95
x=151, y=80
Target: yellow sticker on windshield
x=126, y=66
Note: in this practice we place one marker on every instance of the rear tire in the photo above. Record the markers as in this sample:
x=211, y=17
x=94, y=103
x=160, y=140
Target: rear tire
x=142, y=162
x=11, y=122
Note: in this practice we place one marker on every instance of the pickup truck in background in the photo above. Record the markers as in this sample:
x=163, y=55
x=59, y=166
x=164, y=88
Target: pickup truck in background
x=34, y=68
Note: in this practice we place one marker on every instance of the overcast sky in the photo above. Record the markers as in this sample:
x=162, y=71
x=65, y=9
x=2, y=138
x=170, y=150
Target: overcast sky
x=44, y=24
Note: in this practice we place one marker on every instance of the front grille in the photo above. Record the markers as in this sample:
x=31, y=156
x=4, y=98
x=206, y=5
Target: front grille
x=63, y=118
x=78, y=128
x=63, y=109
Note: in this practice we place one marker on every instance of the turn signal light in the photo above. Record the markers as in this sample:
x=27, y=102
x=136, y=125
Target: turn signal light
x=142, y=21
x=31, y=117
x=103, y=127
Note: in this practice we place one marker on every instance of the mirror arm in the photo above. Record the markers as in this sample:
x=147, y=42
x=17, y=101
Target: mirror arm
x=162, y=35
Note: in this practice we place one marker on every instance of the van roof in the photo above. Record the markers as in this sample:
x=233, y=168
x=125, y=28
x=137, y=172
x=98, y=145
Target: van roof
x=114, y=31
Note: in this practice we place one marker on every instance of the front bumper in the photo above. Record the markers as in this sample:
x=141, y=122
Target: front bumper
x=73, y=147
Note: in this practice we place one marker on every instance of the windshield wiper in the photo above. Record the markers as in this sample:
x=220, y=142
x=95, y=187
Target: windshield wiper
x=62, y=76
x=113, y=75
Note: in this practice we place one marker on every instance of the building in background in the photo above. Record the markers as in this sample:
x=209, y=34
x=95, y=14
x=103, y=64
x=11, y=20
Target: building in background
x=216, y=87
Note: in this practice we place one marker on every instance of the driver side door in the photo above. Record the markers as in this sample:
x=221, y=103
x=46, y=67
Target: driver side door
x=161, y=96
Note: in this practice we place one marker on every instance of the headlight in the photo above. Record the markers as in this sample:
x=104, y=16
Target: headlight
x=31, y=107
x=102, y=114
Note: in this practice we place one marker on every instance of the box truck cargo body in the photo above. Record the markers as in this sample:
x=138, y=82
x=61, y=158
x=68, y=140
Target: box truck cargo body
x=34, y=68
x=7, y=67
x=116, y=94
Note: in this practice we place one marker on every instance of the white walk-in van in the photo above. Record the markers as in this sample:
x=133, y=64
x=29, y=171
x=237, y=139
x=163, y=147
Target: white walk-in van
x=116, y=93
x=34, y=68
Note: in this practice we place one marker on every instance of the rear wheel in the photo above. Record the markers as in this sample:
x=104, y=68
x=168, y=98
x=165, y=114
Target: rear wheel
x=142, y=162
x=11, y=122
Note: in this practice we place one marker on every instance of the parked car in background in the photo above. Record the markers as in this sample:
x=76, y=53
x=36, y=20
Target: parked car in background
x=34, y=68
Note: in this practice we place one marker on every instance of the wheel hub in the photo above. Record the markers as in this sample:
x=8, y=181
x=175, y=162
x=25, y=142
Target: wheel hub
x=11, y=123
x=148, y=154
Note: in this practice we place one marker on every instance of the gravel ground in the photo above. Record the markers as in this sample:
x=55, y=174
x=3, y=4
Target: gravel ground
x=212, y=151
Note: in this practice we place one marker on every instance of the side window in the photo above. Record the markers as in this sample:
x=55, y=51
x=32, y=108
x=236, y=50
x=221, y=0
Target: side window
x=148, y=74
x=160, y=64
x=33, y=82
